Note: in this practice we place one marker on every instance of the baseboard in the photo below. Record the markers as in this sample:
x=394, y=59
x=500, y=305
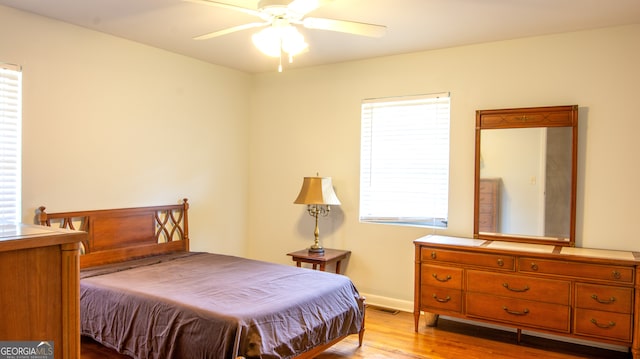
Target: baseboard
x=407, y=306
x=386, y=302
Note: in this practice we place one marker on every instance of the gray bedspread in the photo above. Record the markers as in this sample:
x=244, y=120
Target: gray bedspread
x=203, y=305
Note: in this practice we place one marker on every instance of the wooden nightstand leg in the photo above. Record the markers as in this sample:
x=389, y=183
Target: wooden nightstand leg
x=315, y=266
x=299, y=264
x=338, y=267
x=322, y=265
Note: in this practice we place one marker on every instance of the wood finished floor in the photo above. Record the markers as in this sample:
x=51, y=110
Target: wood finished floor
x=391, y=335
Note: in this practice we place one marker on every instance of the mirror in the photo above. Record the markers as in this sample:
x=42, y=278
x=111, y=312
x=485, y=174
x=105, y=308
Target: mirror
x=525, y=175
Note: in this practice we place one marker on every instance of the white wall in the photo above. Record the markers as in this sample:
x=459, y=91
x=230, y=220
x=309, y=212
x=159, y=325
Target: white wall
x=308, y=120
x=109, y=123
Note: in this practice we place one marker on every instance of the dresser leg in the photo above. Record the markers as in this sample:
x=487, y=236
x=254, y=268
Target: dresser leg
x=518, y=335
x=431, y=319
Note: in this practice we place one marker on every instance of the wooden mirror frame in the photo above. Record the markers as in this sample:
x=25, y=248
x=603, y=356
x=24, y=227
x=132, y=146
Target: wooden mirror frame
x=530, y=117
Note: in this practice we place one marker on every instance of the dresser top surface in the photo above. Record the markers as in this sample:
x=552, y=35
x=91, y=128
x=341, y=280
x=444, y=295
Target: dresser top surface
x=10, y=231
x=529, y=249
x=16, y=236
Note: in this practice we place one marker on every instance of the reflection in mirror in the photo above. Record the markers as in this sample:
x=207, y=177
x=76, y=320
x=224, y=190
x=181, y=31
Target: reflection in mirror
x=525, y=182
x=532, y=180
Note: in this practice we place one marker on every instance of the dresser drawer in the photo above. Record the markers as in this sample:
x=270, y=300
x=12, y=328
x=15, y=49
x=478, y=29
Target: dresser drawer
x=495, y=261
x=524, y=287
x=617, y=274
x=602, y=324
x=487, y=209
x=518, y=311
x=487, y=200
x=437, y=276
x=488, y=186
x=602, y=297
x=487, y=222
x=440, y=299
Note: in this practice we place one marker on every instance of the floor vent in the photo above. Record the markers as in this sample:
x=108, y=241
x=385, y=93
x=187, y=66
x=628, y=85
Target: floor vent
x=383, y=309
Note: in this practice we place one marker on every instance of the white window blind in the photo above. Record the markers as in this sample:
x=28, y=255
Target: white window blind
x=10, y=142
x=404, y=160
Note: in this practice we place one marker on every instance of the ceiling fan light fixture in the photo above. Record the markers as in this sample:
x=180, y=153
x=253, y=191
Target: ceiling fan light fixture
x=292, y=41
x=275, y=39
x=267, y=41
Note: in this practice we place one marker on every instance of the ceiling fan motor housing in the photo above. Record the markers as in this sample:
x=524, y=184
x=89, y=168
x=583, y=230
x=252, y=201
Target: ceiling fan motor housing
x=274, y=7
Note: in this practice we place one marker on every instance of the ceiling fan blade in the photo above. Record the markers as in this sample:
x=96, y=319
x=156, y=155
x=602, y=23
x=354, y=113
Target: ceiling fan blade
x=245, y=10
x=230, y=30
x=303, y=7
x=350, y=27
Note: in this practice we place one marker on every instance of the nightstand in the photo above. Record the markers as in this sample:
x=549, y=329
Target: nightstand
x=316, y=259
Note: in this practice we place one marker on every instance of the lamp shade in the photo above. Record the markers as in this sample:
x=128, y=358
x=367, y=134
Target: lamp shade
x=317, y=190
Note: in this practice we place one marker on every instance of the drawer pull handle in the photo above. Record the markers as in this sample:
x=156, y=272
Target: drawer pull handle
x=519, y=290
x=435, y=276
x=500, y=262
x=433, y=255
x=513, y=312
x=603, y=326
x=441, y=300
x=616, y=274
x=534, y=266
x=603, y=301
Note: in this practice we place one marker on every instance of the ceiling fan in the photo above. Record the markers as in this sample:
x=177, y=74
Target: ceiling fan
x=280, y=17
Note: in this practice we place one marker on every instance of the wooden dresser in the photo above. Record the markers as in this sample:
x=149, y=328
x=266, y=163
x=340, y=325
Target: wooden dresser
x=489, y=199
x=582, y=293
x=39, y=290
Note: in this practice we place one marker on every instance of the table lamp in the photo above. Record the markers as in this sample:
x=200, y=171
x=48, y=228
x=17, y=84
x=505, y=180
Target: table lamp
x=317, y=193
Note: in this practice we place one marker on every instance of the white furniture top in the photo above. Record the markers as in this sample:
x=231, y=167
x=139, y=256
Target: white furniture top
x=532, y=248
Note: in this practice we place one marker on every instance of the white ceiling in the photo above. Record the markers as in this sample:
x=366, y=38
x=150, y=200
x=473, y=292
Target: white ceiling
x=412, y=25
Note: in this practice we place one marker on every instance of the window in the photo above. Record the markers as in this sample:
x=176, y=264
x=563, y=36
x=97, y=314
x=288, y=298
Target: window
x=404, y=160
x=10, y=143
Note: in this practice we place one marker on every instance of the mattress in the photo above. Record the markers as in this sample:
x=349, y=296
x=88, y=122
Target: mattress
x=204, y=305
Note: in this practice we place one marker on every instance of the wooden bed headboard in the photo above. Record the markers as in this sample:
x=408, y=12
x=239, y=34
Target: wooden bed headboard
x=119, y=234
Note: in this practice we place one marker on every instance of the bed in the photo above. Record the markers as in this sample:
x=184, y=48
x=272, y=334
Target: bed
x=144, y=294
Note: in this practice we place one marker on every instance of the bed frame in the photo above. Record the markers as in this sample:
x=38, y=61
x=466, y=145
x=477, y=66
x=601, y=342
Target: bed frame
x=120, y=234
x=116, y=235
